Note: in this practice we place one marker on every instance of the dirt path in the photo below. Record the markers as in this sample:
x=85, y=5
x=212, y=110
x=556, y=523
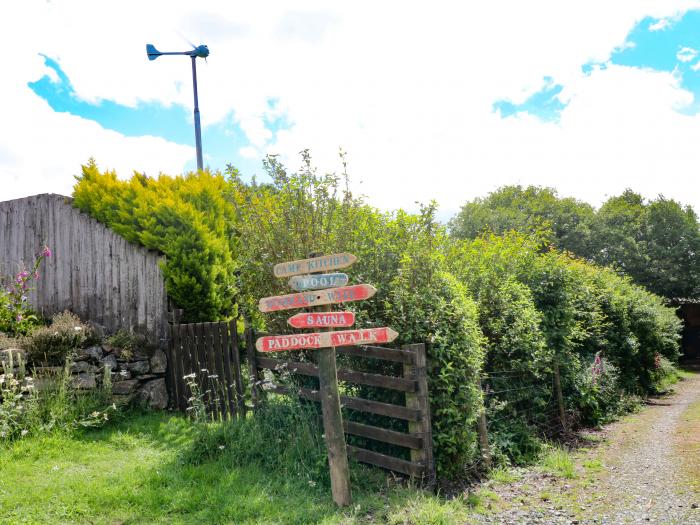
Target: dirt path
x=636, y=476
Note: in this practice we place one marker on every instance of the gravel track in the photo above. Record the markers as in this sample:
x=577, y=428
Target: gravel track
x=641, y=481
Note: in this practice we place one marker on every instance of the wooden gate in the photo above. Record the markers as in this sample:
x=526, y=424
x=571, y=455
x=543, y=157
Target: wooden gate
x=204, y=363
x=412, y=382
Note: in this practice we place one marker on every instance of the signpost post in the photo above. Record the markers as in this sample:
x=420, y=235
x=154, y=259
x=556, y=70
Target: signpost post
x=306, y=278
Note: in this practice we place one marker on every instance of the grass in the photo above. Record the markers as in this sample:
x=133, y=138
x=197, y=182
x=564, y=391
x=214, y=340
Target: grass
x=687, y=444
x=139, y=470
x=503, y=475
x=559, y=462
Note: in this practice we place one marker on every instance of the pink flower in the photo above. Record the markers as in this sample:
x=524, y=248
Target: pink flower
x=19, y=318
x=46, y=252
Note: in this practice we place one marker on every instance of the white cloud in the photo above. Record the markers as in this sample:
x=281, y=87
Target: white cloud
x=405, y=88
x=660, y=25
x=686, y=54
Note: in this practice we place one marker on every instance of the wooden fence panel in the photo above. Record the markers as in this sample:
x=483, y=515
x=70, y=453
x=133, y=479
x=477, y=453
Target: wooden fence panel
x=416, y=410
x=210, y=352
x=93, y=272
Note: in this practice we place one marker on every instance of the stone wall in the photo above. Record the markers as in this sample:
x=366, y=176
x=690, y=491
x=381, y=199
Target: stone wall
x=138, y=378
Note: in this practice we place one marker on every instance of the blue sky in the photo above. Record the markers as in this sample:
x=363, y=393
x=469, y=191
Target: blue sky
x=221, y=141
x=667, y=45
x=587, y=97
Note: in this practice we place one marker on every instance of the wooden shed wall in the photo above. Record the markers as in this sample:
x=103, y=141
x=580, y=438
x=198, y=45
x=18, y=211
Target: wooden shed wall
x=93, y=272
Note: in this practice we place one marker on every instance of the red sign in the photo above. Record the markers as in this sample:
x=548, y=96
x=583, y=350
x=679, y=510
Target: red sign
x=281, y=343
x=321, y=319
x=343, y=294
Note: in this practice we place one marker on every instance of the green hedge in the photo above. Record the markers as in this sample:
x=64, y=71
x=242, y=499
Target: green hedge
x=498, y=305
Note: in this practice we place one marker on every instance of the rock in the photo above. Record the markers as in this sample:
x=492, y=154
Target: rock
x=155, y=394
x=16, y=354
x=94, y=353
x=138, y=367
x=85, y=381
x=159, y=362
x=110, y=362
x=78, y=367
x=121, y=375
x=124, y=387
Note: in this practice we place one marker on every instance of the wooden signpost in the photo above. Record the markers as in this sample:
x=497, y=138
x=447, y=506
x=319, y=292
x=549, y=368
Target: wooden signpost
x=368, y=336
x=301, y=283
x=314, y=265
x=307, y=277
x=344, y=294
x=322, y=320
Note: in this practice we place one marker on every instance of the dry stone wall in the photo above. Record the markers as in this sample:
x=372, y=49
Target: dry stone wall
x=137, y=377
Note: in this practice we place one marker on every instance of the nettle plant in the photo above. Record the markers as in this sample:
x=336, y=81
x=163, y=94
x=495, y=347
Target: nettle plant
x=16, y=314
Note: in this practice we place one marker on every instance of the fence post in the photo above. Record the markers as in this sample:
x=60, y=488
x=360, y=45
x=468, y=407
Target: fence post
x=333, y=423
x=560, y=395
x=421, y=401
x=252, y=364
x=482, y=430
x=173, y=364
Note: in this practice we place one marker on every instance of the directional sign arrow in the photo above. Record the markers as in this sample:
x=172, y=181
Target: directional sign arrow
x=314, y=265
x=322, y=319
x=281, y=343
x=318, y=280
x=343, y=294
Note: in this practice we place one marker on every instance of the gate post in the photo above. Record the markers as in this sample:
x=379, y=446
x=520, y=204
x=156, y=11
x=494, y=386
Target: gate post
x=420, y=400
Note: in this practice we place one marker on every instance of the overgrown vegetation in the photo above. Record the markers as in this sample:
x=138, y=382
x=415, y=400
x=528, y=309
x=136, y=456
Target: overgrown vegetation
x=656, y=242
x=48, y=403
x=504, y=308
x=55, y=343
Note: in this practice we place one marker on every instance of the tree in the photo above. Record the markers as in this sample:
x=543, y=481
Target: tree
x=532, y=209
x=656, y=243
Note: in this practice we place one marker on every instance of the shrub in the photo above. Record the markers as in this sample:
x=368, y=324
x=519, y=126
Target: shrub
x=55, y=343
x=186, y=218
x=437, y=309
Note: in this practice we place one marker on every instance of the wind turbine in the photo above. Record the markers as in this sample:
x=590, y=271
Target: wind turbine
x=201, y=51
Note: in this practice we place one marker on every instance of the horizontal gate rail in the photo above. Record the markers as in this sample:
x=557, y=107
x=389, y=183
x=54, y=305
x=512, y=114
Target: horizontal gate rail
x=413, y=384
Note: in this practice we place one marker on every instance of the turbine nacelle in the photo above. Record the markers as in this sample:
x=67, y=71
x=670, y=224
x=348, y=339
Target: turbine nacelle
x=201, y=51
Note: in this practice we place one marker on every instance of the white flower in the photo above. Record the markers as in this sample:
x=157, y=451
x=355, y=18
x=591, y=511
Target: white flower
x=77, y=328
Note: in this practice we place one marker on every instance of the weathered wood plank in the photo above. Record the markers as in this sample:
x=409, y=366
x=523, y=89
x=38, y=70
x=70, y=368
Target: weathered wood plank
x=388, y=462
x=356, y=403
x=384, y=435
x=344, y=374
x=227, y=378
x=94, y=272
x=377, y=352
x=236, y=361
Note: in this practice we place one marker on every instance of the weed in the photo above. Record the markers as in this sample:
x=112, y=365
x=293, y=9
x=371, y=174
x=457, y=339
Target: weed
x=558, y=461
x=504, y=475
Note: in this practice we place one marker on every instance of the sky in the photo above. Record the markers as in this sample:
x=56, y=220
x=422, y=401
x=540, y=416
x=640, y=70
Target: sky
x=429, y=100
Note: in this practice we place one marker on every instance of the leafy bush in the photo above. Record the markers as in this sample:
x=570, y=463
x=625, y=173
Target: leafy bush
x=437, y=309
x=54, y=344
x=596, y=393
x=186, y=218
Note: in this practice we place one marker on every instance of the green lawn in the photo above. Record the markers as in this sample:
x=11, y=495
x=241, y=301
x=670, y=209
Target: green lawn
x=131, y=472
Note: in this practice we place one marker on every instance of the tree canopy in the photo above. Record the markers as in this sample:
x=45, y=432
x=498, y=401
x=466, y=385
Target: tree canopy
x=656, y=242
